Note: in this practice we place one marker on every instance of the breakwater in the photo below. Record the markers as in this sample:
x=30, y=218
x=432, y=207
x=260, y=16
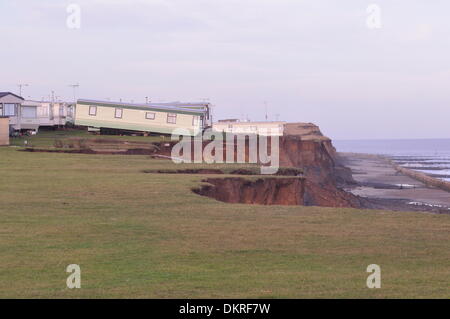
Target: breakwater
x=422, y=177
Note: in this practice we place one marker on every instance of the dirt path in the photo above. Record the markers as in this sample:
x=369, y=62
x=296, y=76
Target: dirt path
x=386, y=188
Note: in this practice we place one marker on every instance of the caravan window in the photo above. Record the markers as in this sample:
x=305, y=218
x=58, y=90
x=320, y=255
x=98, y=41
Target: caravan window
x=150, y=115
x=42, y=111
x=92, y=110
x=29, y=112
x=9, y=109
x=171, y=118
x=118, y=113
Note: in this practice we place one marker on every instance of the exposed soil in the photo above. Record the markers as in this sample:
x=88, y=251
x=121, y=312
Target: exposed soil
x=325, y=175
x=311, y=193
x=202, y=171
x=131, y=151
x=98, y=146
x=262, y=191
x=241, y=171
x=328, y=195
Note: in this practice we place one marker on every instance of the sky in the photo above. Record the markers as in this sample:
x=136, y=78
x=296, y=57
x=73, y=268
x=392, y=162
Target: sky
x=308, y=61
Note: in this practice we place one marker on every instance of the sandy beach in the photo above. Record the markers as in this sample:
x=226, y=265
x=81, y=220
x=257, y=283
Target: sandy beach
x=385, y=188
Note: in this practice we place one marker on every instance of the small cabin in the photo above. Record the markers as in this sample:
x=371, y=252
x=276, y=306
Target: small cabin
x=162, y=118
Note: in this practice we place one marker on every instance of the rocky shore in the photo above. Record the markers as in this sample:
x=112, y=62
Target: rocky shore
x=384, y=187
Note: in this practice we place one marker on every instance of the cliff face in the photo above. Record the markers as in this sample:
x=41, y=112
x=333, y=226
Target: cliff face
x=310, y=155
x=323, y=174
x=304, y=146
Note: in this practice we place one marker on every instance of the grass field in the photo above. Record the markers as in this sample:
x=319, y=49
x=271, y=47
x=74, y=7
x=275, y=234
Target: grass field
x=140, y=235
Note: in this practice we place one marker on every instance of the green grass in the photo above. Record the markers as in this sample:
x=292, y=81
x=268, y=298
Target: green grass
x=148, y=236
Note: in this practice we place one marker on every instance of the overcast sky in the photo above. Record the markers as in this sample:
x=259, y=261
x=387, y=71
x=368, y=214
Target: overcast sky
x=311, y=61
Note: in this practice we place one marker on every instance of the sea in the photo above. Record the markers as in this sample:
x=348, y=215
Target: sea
x=429, y=156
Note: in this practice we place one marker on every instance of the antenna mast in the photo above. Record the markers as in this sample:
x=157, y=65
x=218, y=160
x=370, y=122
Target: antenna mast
x=74, y=87
x=20, y=85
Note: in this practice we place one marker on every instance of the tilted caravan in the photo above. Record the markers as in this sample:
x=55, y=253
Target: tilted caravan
x=203, y=106
x=162, y=118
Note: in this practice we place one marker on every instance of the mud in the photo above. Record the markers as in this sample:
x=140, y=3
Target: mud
x=131, y=151
x=240, y=171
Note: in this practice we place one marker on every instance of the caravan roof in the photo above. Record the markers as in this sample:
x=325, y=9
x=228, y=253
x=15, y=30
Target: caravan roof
x=165, y=107
x=2, y=94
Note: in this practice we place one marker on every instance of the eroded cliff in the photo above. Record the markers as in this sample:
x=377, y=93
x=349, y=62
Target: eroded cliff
x=262, y=191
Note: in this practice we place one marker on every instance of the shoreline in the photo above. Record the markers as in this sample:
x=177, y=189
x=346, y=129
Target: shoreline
x=384, y=186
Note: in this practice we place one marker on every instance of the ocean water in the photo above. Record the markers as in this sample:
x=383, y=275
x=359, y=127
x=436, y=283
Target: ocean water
x=430, y=156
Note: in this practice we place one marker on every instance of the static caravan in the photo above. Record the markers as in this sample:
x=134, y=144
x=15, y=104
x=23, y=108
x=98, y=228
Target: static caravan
x=151, y=118
x=260, y=128
x=10, y=107
x=31, y=115
x=49, y=114
x=28, y=116
x=57, y=113
x=53, y=113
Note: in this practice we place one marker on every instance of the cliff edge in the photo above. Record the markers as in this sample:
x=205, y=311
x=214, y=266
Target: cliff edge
x=304, y=146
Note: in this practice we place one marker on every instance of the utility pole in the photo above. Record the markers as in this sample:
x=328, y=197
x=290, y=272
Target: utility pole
x=74, y=87
x=20, y=85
